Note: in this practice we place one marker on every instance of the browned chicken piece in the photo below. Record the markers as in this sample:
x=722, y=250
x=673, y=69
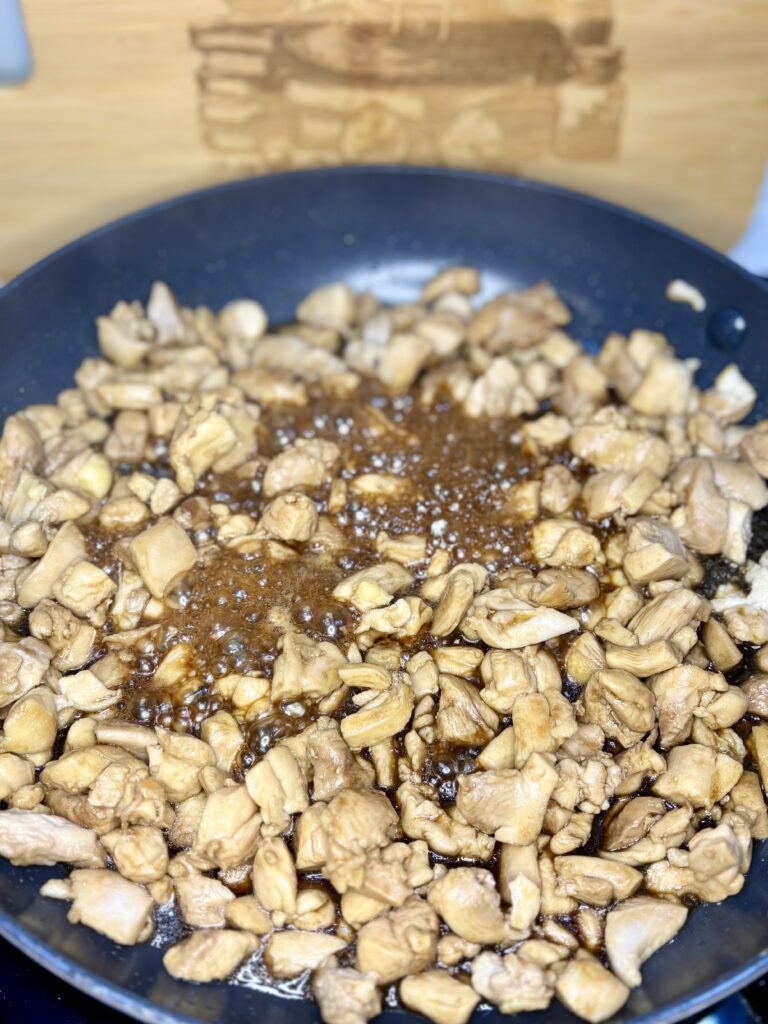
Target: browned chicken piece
x=635, y=929
x=512, y=982
x=344, y=995
x=163, y=554
x=354, y=822
x=224, y=736
x=746, y=799
x=198, y=442
x=36, y=583
x=140, y=852
x=107, y=902
x=71, y=639
x=400, y=942
x=229, y=827
x=507, y=623
x=209, y=955
x=334, y=767
x=27, y=837
x=202, y=901
x=290, y=517
x=644, y=830
x=509, y=804
x=278, y=787
x=440, y=996
x=422, y=817
x=712, y=870
x=288, y=954
x=15, y=773
x=23, y=666
x=306, y=668
x=587, y=989
x=247, y=913
x=31, y=725
x=680, y=693
x=594, y=880
x=275, y=884
x=387, y=714
x=463, y=718
x=755, y=690
x=468, y=901
x=303, y=465
x=620, y=704
x=698, y=775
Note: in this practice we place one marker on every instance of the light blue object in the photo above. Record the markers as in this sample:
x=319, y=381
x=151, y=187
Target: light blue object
x=751, y=251
x=15, y=58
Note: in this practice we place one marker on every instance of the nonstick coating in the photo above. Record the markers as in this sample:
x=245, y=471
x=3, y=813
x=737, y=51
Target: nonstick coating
x=386, y=229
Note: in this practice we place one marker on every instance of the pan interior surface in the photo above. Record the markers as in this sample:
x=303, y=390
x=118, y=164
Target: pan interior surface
x=387, y=230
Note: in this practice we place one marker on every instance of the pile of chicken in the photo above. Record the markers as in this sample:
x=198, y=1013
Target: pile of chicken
x=586, y=678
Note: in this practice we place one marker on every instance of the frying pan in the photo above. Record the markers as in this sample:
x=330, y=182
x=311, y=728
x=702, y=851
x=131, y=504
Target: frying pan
x=386, y=229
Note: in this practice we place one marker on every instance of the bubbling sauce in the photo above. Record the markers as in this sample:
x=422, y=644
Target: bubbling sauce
x=233, y=609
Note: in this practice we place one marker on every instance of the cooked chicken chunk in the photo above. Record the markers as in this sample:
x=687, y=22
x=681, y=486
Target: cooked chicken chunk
x=288, y=954
x=590, y=991
x=512, y=982
x=439, y=996
x=344, y=995
x=202, y=901
x=140, y=852
x=401, y=942
x=509, y=804
x=229, y=827
x=163, y=555
x=469, y=903
x=106, y=902
x=27, y=837
x=636, y=929
x=209, y=955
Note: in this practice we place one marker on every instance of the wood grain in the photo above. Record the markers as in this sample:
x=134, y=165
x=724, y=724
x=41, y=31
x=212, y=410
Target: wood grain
x=661, y=105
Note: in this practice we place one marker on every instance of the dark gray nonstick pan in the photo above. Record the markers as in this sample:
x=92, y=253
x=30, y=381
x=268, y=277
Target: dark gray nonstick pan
x=386, y=229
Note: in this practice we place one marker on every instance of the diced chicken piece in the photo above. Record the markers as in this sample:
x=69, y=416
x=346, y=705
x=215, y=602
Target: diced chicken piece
x=731, y=398
x=746, y=799
x=373, y=587
x=712, y=871
x=209, y=955
x=15, y=773
x=275, y=884
x=82, y=587
x=463, y=717
x=398, y=943
x=454, y=604
x=140, y=852
x=197, y=443
x=278, y=786
x=620, y=704
x=587, y=989
x=644, y=830
x=202, y=901
x=520, y=883
x=453, y=279
x=654, y=552
x=755, y=689
x=564, y=542
x=636, y=929
x=698, y=775
x=304, y=465
x=288, y=954
x=344, y=995
x=439, y=996
x=291, y=518
x=223, y=735
x=31, y=725
x=509, y=804
x=163, y=555
x=609, y=446
x=228, y=832
x=355, y=822
x=37, y=582
x=452, y=950
x=84, y=691
x=512, y=982
x=306, y=668
x=387, y=714
x=595, y=881
x=334, y=767
x=23, y=665
x=515, y=624
x=27, y=837
x=247, y=913
x=106, y=902
x=71, y=639
x=542, y=723
x=679, y=694
x=469, y=903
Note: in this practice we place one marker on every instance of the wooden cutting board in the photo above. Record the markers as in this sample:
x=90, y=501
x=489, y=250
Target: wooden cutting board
x=661, y=105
